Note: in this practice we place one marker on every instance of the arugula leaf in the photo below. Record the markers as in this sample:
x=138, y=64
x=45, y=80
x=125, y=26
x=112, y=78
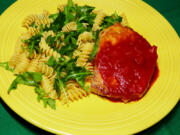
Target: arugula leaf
x=80, y=27
x=77, y=75
x=51, y=103
x=27, y=78
x=83, y=13
x=70, y=43
x=33, y=25
x=69, y=11
x=33, y=43
x=95, y=49
x=52, y=62
x=51, y=41
x=41, y=93
x=58, y=22
x=62, y=87
x=43, y=96
x=110, y=20
x=6, y=66
x=53, y=16
x=56, y=87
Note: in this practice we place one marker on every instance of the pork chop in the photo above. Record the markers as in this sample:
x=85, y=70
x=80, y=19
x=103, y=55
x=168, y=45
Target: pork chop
x=124, y=64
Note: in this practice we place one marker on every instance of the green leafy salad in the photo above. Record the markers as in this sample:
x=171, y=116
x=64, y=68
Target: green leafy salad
x=55, y=53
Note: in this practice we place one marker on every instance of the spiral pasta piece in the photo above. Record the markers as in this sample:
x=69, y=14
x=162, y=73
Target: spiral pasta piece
x=52, y=78
x=33, y=66
x=84, y=54
x=69, y=27
x=73, y=91
x=29, y=20
x=33, y=31
x=98, y=20
x=43, y=19
x=48, y=88
x=45, y=69
x=48, y=33
x=89, y=66
x=44, y=58
x=84, y=37
x=48, y=50
x=53, y=94
x=34, y=55
x=22, y=64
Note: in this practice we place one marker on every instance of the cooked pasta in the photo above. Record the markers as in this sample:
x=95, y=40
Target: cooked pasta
x=29, y=20
x=33, y=65
x=43, y=58
x=84, y=37
x=98, y=20
x=48, y=50
x=74, y=92
x=22, y=64
x=45, y=69
x=69, y=27
x=84, y=54
x=57, y=51
x=47, y=86
x=48, y=33
x=52, y=77
x=33, y=31
x=89, y=66
x=43, y=19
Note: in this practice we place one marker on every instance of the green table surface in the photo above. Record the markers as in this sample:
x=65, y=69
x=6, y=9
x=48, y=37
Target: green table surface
x=12, y=124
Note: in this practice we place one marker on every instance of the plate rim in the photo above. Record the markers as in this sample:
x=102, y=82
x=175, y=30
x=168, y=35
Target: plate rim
x=53, y=131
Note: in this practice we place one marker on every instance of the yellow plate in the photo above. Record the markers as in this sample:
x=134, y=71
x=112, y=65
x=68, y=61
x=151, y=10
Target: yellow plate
x=94, y=115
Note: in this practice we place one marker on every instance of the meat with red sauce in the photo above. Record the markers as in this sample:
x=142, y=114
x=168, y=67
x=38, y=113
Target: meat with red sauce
x=124, y=64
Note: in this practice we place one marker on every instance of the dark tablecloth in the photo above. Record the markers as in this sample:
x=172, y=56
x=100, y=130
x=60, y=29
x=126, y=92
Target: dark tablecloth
x=12, y=124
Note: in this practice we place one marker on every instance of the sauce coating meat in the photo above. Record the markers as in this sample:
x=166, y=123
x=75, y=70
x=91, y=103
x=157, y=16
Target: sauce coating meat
x=124, y=64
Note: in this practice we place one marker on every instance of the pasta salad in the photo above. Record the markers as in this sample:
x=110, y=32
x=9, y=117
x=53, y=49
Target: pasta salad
x=55, y=54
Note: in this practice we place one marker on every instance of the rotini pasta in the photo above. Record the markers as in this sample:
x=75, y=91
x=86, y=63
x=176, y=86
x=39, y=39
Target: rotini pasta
x=85, y=51
x=98, y=20
x=22, y=64
x=57, y=50
x=43, y=19
x=48, y=50
x=48, y=33
x=52, y=78
x=89, y=66
x=74, y=92
x=33, y=31
x=29, y=20
x=45, y=69
x=33, y=66
x=43, y=58
x=47, y=86
x=69, y=27
x=84, y=37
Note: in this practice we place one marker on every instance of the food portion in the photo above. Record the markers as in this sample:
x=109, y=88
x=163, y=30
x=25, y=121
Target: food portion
x=124, y=64
x=78, y=50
